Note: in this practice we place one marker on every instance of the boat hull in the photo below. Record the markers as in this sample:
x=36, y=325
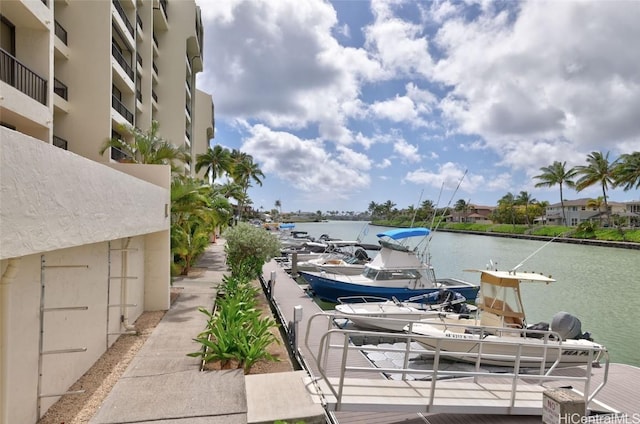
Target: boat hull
x=330, y=290
x=503, y=350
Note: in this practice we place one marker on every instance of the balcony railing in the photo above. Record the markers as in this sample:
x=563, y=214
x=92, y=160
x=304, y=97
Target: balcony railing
x=123, y=15
x=16, y=74
x=122, y=61
x=122, y=109
x=163, y=6
x=60, y=142
x=118, y=155
x=60, y=89
x=60, y=32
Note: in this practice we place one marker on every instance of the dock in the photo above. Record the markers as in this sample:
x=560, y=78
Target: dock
x=368, y=395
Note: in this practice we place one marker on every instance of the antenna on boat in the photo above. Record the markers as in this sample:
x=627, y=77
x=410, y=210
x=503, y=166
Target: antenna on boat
x=450, y=199
x=415, y=211
x=515, y=268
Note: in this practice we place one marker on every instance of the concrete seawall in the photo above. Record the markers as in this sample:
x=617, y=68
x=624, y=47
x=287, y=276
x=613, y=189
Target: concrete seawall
x=601, y=243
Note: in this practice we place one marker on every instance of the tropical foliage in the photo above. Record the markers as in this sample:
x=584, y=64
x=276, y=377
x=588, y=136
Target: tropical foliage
x=238, y=167
x=146, y=147
x=196, y=212
x=236, y=329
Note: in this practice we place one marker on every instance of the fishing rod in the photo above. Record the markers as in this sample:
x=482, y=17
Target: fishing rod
x=515, y=268
x=415, y=211
x=433, y=225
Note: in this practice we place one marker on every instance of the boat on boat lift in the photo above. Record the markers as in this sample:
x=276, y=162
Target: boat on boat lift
x=502, y=327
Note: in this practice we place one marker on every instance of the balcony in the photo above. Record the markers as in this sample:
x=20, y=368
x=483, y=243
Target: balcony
x=121, y=60
x=60, y=32
x=119, y=156
x=139, y=22
x=123, y=15
x=19, y=76
x=155, y=68
x=160, y=15
x=60, y=89
x=60, y=142
x=122, y=109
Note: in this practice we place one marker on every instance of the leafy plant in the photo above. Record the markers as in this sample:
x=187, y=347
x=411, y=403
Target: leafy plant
x=248, y=248
x=236, y=330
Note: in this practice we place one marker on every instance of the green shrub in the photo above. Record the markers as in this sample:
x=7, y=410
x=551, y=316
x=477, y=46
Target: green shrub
x=551, y=230
x=248, y=248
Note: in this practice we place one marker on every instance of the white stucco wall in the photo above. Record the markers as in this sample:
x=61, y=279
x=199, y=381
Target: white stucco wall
x=68, y=210
x=53, y=199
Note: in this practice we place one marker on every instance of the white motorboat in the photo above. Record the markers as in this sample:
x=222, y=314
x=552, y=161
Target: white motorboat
x=369, y=312
x=340, y=257
x=499, y=335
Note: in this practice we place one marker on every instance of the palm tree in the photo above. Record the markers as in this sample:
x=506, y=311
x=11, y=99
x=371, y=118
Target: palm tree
x=216, y=160
x=556, y=173
x=627, y=171
x=147, y=147
x=596, y=204
x=386, y=208
x=195, y=214
x=597, y=171
x=525, y=198
x=373, y=206
x=278, y=206
x=508, y=201
x=461, y=206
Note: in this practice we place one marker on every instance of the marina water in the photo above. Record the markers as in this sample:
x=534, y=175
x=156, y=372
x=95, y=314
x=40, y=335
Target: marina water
x=599, y=285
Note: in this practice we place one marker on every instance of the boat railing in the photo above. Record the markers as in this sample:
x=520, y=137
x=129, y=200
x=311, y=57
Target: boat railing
x=335, y=347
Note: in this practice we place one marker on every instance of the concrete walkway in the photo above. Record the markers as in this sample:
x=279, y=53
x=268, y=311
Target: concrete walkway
x=162, y=385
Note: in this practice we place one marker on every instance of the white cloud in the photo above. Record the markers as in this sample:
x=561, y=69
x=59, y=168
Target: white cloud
x=398, y=44
x=385, y=163
x=558, y=71
x=407, y=152
x=449, y=176
x=399, y=109
x=305, y=164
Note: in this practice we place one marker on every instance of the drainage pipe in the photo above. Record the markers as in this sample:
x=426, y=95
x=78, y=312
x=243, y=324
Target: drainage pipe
x=5, y=288
x=124, y=271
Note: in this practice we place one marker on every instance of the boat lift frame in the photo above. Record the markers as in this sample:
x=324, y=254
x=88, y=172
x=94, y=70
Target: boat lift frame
x=357, y=388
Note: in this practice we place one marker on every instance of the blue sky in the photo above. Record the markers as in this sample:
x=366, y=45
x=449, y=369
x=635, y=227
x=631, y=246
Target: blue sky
x=347, y=102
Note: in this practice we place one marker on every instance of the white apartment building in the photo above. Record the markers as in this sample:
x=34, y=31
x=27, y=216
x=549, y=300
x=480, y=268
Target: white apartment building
x=84, y=240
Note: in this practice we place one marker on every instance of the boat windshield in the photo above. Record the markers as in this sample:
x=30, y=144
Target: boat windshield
x=391, y=274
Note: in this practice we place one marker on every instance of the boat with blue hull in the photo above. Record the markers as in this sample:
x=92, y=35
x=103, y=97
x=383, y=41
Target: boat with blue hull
x=397, y=271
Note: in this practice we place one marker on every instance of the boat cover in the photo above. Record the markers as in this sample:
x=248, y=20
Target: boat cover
x=402, y=233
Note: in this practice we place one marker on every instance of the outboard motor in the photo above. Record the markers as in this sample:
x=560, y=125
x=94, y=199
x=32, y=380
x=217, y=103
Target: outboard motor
x=566, y=325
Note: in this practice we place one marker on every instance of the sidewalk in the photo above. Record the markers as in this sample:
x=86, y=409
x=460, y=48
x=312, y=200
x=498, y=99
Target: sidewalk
x=164, y=386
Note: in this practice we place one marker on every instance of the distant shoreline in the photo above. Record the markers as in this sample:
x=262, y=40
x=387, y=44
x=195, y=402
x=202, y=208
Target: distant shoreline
x=601, y=243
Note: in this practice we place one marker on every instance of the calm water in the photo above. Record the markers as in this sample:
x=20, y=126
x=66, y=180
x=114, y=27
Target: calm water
x=599, y=285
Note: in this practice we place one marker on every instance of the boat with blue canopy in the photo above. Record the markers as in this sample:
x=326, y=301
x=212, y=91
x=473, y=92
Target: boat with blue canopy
x=399, y=271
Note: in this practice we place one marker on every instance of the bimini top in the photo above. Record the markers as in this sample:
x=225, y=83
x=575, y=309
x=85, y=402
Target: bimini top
x=510, y=278
x=402, y=233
